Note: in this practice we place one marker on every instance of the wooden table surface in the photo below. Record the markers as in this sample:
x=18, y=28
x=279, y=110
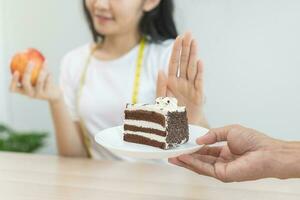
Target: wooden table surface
x=40, y=177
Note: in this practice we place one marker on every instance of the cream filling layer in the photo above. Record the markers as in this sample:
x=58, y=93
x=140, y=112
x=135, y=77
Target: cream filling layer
x=147, y=135
x=144, y=124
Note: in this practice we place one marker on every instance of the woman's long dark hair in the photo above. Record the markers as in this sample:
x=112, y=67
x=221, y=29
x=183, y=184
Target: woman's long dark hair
x=158, y=24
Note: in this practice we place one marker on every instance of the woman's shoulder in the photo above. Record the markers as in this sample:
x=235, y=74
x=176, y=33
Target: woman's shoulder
x=158, y=55
x=161, y=51
x=78, y=53
x=162, y=46
x=73, y=61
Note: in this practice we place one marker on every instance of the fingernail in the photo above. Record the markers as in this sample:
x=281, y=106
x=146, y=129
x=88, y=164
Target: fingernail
x=184, y=158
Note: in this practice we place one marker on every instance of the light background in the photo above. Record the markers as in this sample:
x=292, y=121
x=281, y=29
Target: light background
x=251, y=51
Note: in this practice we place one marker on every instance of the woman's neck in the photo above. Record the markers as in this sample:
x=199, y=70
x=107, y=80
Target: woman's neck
x=114, y=46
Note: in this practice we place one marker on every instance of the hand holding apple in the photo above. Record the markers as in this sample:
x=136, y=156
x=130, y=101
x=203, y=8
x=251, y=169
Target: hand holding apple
x=22, y=60
x=31, y=76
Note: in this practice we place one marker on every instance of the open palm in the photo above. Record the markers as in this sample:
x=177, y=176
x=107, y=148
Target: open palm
x=244, y=157
x=184, y=79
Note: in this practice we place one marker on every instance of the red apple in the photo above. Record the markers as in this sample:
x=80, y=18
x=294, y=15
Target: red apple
x=21, y=60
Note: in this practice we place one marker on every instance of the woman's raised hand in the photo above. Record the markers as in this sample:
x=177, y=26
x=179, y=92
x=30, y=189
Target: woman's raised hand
x=185, y=79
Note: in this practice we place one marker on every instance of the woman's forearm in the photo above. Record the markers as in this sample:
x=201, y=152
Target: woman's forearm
x=200, y=120
x=68, y=133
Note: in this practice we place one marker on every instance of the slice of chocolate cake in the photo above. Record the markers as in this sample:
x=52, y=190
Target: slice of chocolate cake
x=163, y=125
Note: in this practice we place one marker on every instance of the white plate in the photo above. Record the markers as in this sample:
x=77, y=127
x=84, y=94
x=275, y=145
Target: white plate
x=112, y=139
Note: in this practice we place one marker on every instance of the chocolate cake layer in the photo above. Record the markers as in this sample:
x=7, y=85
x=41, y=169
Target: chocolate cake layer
x=143, y=129
x=146, y=116
x=142, y=140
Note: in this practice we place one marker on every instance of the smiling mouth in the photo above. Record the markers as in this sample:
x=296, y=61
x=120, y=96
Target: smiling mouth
x=103, y=19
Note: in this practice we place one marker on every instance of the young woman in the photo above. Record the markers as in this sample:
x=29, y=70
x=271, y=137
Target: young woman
x=133, y=58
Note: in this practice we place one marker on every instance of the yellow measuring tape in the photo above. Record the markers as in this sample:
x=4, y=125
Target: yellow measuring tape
x=134, y=99
x=139, y=63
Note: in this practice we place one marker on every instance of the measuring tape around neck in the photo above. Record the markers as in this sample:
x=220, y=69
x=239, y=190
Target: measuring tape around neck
x=134, y=98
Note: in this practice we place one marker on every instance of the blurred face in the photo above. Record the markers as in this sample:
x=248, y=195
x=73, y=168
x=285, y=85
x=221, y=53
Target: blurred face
x=116, y=16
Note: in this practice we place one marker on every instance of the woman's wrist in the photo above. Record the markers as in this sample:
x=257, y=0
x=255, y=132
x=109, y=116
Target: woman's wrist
x=199, y=120
x=56, y=99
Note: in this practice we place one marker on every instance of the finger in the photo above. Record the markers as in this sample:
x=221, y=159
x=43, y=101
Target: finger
x=41, y=81
x=176, y=161
x=14, y=81
x=199, y=166
x=215, y=135
x=185, y=54
x=211, y=151
x=26, y=80
x=175, y=57
x=48, y=79
x=48, y=82
x=199, y=76
x=205, y=158
x=192, y=65
x=14, y=85
x=161, y=85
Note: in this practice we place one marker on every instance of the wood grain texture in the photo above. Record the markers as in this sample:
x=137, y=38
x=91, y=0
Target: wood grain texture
x=35, y=177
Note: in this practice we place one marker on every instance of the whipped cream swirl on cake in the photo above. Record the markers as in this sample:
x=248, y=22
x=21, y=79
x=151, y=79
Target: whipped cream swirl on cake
x=162, y=105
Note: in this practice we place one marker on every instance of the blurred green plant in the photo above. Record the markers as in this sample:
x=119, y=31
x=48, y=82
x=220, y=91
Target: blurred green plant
x=16, y=141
